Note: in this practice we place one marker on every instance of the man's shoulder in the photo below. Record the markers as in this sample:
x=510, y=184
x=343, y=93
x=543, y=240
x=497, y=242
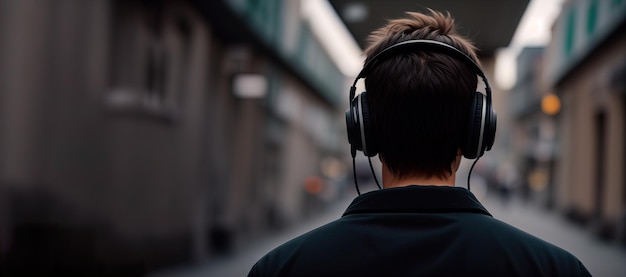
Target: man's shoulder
x=502, y=235
x=494, y=229
x=301, y=248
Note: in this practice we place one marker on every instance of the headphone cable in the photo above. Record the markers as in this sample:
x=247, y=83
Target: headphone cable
x=469, y=175
x=356, y=184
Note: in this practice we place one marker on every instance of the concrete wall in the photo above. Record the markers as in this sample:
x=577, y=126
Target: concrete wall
x=591, y=180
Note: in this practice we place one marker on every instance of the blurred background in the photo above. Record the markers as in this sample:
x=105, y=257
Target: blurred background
x=173, y=138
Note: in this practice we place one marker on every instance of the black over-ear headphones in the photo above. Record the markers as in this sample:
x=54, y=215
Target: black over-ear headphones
x=481, y=130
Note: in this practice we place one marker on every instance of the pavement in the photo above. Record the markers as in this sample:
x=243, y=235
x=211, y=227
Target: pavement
x=602, y=259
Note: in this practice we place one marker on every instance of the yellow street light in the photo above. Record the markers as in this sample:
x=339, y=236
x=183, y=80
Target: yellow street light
x=550, y=104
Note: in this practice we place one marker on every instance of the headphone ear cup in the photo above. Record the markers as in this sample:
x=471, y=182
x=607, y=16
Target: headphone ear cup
x=472, y=142
x=490, y=132
x=353, y=126
x=369, y=147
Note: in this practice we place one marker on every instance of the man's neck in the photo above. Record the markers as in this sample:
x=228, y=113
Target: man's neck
x=390, y=180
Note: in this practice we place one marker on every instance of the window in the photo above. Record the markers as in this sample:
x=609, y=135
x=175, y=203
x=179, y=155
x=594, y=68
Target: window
x=150, y=57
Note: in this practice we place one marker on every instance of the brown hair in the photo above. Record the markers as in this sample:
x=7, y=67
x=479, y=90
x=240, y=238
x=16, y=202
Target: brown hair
x=419, y=102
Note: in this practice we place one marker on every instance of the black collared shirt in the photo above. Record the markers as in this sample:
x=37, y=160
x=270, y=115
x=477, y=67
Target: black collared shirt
x=418, y=231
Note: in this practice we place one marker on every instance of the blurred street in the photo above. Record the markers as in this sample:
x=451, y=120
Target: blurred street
x=603, y=259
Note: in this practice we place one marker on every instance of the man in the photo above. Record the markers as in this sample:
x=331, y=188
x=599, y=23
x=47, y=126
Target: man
x=421, y=113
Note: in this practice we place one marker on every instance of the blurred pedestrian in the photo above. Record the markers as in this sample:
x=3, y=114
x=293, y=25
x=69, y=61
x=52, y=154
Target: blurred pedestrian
x=421, y=113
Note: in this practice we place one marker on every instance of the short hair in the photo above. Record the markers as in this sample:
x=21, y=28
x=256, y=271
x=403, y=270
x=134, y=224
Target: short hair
x=419, y=102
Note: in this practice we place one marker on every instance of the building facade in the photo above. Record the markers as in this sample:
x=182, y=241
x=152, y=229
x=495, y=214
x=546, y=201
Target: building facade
x=534, y=133
x=138, y=134
x=586, y=66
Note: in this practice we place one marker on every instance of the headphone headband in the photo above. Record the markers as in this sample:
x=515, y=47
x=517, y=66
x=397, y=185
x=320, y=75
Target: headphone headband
x=419, y=45
x=414, y=45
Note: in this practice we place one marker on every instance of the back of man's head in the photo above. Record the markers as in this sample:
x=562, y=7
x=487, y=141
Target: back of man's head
x=419, y=102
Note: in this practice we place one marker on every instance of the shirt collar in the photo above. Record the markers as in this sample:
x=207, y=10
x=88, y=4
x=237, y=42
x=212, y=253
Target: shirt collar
x=417, y=199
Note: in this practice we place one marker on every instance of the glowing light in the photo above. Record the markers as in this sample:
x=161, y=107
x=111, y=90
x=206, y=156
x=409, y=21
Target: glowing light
x=313, y=185
x=550, y=104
